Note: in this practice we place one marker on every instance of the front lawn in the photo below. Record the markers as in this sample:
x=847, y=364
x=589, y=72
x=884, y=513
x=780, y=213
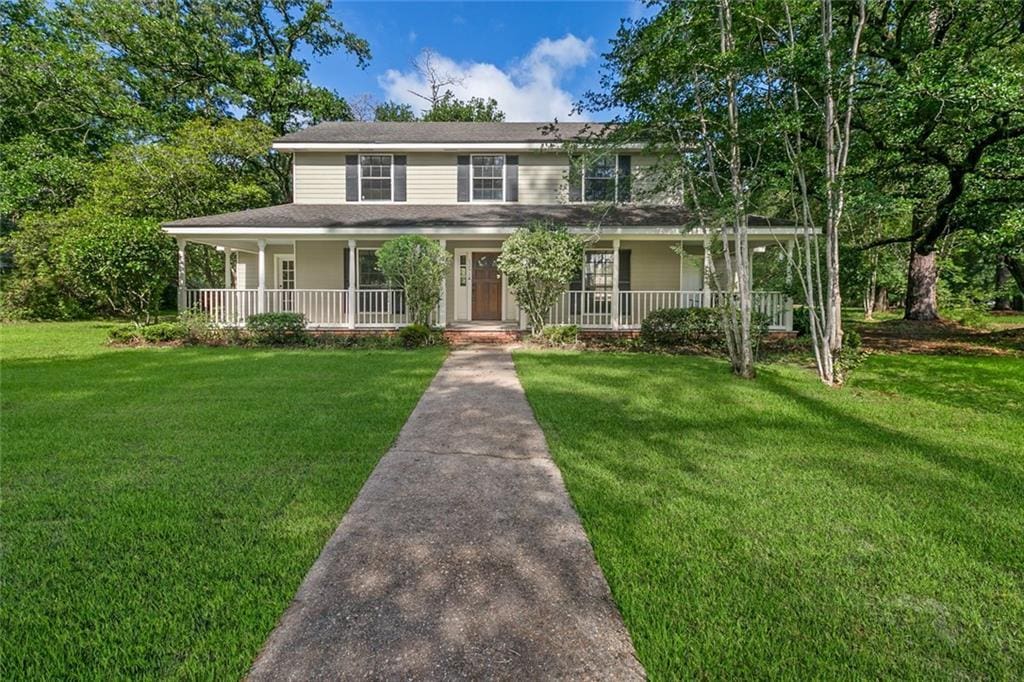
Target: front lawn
x=777, y=528
x=162, y=505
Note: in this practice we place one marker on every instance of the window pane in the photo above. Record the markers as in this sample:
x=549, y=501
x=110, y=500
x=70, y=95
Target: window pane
x=487, y=178
x=370, y=276
x=597, y=271
x=376, y=177
x=599, y=180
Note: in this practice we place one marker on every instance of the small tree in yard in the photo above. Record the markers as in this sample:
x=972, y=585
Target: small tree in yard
x=418, y=265
x=539, y=261
x=122, y=264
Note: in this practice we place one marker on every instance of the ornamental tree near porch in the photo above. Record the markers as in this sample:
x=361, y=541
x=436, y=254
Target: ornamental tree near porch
x=539, y=261
x=418, y=265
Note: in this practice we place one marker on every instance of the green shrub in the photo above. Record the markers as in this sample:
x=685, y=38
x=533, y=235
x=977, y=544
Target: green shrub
x=684, y=327
x=975, y=317
x=277, y=328
x=125, y=333
x=163, y=332
x=561, y=334
x=801, y=320
x=418, y=335
x=699, y=328
x=852, y=353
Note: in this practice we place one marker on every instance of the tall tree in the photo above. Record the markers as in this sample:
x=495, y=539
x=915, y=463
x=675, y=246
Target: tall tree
x=943, y=115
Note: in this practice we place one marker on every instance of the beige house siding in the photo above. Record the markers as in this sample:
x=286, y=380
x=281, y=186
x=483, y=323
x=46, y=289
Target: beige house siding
x=248, y=266
x=432, y=178
x=543, y=178
x=320, y=264
x=318, y=178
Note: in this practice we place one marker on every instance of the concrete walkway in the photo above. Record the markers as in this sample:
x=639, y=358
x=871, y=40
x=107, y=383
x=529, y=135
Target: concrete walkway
x=462, y=557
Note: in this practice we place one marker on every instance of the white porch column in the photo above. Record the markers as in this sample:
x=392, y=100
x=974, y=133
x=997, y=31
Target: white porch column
x=182, y=282
x=352, y=281
x=261, y=276
x=706, y=276
x=443, y=308
x=227, y=268
x=615, y=284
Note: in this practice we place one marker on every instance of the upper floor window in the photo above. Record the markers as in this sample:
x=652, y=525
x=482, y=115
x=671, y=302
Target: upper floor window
x=606, y=178
x=600, y=180
x=488, y=178
x=375, y=177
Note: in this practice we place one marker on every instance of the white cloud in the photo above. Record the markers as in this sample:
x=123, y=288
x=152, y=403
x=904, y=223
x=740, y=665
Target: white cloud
x=528, y=90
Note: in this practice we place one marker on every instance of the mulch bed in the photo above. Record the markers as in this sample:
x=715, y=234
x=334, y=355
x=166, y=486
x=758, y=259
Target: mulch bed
x=941, y=337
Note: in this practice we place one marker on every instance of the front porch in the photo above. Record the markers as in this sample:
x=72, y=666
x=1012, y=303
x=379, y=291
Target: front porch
x=621, y=283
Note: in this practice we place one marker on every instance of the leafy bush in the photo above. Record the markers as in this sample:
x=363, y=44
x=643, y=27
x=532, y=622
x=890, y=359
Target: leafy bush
x=418, y=265
x=163, y=332
x=561, y=334
x=694, y=327
x=277, y=328
x=684, y=327
x=801, y=320
x=539, y=261
x=198, y=328
x=121, y=265
x=852, y=353
x=125, y=333
x=417, y=335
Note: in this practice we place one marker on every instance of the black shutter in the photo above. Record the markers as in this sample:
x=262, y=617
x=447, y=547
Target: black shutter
x=399, y=188
x=575, y=180
x=463, y=178
x=625, y=179
x=352, y=177
x=511, y=178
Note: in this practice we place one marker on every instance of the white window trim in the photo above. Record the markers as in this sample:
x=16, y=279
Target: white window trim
x=583, y=184
x=359, y=164
x=278, y=257
x=504, y=166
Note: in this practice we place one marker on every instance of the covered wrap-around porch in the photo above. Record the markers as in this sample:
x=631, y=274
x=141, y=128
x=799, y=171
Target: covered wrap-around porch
x=334, y=284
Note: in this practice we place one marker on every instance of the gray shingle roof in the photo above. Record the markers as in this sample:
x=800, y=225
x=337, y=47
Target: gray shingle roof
x=357, y=132
x=444, y=215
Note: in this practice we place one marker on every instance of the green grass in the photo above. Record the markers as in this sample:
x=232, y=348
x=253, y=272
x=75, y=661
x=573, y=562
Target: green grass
x=777, y=528
x=161, y=505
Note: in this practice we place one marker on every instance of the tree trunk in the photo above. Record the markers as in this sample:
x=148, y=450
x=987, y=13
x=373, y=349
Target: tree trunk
x=1002, y=279
x=882, y=299
x=922, y=283
x=1016, y=269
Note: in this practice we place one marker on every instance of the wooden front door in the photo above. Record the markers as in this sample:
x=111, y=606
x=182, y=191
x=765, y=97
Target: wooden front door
x=486, y=287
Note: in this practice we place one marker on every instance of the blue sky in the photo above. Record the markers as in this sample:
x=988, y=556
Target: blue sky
x=535, y=58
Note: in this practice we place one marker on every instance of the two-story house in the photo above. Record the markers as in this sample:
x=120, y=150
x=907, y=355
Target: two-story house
x=468, y=185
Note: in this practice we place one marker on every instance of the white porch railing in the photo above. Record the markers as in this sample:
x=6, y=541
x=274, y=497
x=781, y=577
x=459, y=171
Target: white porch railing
x=325, y=308
x=593, y=310
x=224, y=306
x=386, y=309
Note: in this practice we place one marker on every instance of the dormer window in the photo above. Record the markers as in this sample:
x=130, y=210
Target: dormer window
x=488, y=177
x=375, y=177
